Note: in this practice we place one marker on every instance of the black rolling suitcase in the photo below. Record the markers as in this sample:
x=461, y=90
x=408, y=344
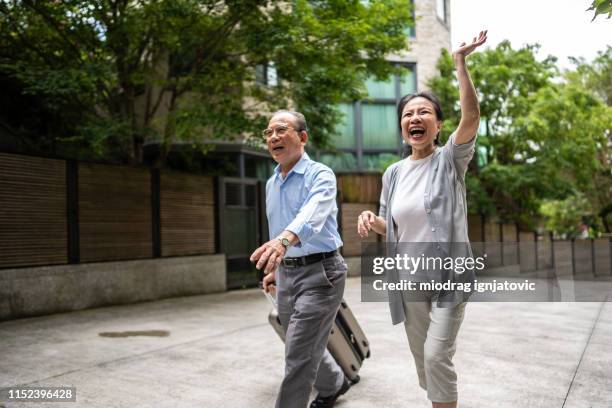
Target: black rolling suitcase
x=347, y=342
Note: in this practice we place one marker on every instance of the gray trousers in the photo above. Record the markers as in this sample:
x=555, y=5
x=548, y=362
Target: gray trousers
x=308, y=300
x=432, y=333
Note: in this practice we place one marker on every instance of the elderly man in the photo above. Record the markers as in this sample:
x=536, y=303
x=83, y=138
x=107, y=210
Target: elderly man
x=303, y=260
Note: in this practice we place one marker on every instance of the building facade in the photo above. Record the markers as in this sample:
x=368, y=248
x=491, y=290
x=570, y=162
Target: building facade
x=368, y=139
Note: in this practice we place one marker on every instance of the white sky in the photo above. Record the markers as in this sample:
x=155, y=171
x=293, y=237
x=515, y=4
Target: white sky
x=562, y=27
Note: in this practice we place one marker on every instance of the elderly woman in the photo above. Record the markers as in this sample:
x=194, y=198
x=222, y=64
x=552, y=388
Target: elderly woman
x=423, y=201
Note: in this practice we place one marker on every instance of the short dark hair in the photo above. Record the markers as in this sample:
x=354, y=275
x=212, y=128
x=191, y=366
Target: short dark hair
x=431, y=97
x=300, y=120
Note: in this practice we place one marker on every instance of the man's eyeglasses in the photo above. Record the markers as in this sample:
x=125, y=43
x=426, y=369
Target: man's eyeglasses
x=280, y=130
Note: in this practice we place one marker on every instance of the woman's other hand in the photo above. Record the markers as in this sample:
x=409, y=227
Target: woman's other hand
x=368, y=221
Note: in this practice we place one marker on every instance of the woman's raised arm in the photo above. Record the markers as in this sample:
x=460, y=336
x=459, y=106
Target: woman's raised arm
x=470, y=109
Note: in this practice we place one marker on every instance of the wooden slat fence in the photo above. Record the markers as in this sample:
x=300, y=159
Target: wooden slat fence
x=33, y=228
x=187, y=214
x=133, y=213
x=352, y=241
x=114, y=213
x=54, y=211
x=360, y=188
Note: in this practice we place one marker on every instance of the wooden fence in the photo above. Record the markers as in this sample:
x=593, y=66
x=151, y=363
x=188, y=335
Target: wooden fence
x=33, y=227
x=504, y=243
x=56, y=211
x=62, y=211
x=187, y=214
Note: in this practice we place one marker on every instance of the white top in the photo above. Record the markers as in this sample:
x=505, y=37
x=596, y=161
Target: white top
x=408, y=208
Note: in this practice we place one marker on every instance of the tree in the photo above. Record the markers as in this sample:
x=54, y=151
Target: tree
x=504, y=78
x=565, y=218
x=596, y=76
x=112, y=74
x=601, y=7
x=543, y=139
x=569, y=132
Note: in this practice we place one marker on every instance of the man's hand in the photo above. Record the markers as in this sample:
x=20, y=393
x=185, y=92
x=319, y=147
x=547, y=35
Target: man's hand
x=269, y=282
x=269, y=255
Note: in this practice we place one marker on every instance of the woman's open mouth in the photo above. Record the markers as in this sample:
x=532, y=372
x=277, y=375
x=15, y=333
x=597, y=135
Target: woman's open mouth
x=417, y=133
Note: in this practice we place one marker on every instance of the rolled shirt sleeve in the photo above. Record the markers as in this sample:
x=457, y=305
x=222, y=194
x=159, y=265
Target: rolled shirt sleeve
x=318, y=206
x=460, y=154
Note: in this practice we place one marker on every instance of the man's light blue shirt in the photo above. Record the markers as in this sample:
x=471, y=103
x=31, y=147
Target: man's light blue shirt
x=304, y=202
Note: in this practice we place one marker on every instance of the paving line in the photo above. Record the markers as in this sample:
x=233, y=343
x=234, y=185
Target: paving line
x=584, y=350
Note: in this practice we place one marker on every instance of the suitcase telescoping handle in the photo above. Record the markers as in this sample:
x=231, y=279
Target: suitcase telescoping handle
x=271, y=298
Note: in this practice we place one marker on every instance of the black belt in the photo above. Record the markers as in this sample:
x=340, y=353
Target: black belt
x=308, y=259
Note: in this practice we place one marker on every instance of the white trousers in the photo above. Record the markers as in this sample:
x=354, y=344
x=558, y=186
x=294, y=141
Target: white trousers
x=432, y=332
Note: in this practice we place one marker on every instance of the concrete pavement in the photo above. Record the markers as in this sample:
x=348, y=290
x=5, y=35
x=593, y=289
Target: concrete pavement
x=219, y=351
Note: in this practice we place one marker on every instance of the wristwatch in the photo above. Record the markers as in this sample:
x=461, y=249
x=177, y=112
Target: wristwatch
x=284, y=242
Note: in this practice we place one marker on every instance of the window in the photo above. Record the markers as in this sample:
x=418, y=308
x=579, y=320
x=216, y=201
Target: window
x=441, y=10
x=339, y=162
x=265, y=74
x=408, y=82
x=367, y=137
x=345, y=129
x=379, y=126
x=380, y=89
x=411, y=32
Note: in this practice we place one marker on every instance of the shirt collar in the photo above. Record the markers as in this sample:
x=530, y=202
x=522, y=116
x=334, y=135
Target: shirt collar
x=300, y=166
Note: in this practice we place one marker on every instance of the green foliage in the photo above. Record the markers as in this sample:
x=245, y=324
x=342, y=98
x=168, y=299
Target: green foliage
x=184, y=69
x=566, y=217
x=601, y=7
x=387, y=160
x=596, y=77
x=545, y=137
x=569, y=132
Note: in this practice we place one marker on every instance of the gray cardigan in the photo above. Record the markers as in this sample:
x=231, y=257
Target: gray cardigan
x=446, y=209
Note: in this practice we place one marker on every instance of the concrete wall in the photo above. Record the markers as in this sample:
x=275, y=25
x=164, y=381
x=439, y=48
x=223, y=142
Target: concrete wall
x=432, y=34
x=527, y=251
x=44, y=290
x=590, y=258
x=602, y=252
x=545, y=252
x=563, y=258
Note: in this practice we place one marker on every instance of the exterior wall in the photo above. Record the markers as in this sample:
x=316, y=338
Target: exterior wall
x=432, y=35
x=45, y=290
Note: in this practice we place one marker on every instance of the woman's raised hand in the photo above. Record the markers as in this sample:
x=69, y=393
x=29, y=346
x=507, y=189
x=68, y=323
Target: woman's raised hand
x=466, y=49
